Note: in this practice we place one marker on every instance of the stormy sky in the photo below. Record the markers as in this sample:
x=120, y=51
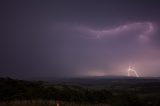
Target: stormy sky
x=66, y=38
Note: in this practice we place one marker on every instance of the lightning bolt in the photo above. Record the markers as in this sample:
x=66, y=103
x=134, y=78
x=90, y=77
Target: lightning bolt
x=131, y=69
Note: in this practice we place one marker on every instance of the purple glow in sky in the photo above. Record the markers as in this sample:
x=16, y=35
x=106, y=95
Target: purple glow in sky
x=142, y=34
x=66, y=38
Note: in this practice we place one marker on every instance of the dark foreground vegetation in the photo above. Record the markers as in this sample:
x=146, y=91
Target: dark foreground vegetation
x=26, y=93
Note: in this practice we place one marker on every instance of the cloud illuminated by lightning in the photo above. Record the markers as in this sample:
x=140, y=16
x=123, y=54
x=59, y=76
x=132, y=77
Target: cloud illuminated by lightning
x=144, y=30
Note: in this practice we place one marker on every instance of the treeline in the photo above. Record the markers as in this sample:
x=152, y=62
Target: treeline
x=11, y=89
x=18, y=89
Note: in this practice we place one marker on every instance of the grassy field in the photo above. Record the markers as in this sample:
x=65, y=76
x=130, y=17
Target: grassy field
x=43, y=103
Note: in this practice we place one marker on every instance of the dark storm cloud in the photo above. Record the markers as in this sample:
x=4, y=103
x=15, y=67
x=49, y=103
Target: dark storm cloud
x=72, y=37
x=156, y=38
